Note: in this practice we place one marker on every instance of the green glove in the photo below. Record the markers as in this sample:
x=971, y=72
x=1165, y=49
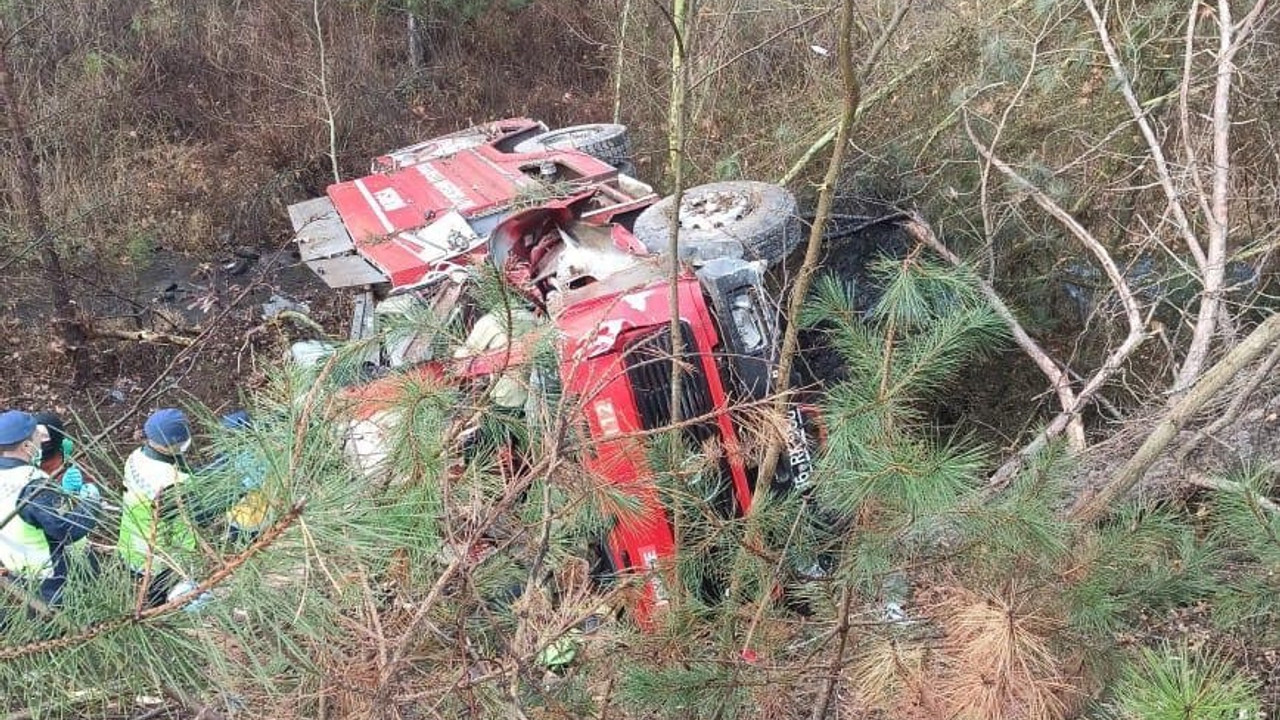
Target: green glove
x=72, y=480
x=561, y=652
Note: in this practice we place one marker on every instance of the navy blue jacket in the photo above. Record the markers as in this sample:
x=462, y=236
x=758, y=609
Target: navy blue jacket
x=63, y=518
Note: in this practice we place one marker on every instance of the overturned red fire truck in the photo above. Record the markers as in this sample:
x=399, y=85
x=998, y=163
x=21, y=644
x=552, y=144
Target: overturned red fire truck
x=587, y=248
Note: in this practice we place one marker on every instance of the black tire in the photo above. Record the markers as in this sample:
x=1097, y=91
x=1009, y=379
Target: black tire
x=752, y=220
x=603, y=141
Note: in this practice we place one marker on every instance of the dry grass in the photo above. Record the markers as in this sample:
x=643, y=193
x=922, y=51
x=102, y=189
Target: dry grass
x=999, y=660
x=888, y=675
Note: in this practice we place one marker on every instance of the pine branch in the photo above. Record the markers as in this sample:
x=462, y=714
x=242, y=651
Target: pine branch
x=1057, y=373
x=104, y=627
x=1223, y=485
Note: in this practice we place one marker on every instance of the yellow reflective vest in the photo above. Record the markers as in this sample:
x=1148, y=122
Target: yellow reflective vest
x=143, y=532
x=23, y=546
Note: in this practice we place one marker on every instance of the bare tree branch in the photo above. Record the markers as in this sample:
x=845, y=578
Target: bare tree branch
x=1262, y=338
x=1059, y=378
x=1136, y=332
x=1163, y=174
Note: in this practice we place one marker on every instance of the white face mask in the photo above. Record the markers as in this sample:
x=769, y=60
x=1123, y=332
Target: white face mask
x=185, y=446
x=37, y=444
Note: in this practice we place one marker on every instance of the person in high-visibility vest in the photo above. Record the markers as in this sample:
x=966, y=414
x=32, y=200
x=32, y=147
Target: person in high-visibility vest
x=162, y=507
x=39, y=518
x=56, y=461
x=252, y=512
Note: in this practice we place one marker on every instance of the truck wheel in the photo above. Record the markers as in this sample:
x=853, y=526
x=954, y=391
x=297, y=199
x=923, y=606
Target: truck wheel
x=602, y=141
x=753, y=220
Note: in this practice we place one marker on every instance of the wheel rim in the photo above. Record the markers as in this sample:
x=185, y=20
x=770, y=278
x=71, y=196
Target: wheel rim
x=568, y=138
x=714, y=210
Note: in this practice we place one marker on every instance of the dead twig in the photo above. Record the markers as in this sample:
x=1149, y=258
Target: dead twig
x=1233, y=410
x=1089, y=509
x=145, y=336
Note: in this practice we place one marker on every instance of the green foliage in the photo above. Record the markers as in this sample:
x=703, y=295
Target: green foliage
x=881, y=469
x=924, y=327
x=1180, y=684
x=1020, y=533
x=692, y=690
x=1000, y=62
x=1142, y=561
x=265, y=632
x=1248, y=597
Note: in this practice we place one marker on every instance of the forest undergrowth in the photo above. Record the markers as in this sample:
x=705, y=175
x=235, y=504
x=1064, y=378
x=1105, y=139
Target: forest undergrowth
x=1065, y=152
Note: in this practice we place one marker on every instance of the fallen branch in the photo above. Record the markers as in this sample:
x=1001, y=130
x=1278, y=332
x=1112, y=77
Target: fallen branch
x=146, y=336
x=196, y=710
x=1233, y=410
x=1263, y=337
x=1059, y=379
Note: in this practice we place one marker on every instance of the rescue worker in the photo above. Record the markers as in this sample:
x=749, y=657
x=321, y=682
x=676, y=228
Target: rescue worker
x=56, y=462
x=250, y=514
x=55, y=452
x=39, y=518
x=162, y=507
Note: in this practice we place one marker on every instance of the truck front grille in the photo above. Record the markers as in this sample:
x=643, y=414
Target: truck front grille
x=649, y=371
x=648, y=362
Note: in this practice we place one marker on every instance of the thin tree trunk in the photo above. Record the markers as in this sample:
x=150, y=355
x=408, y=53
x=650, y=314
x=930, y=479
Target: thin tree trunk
x=1260, y=340
x=413, y=29
x=1160, y=165
x=330, y=121
x=813, y=252
x=70, y=331
x=1218, y=217
x=681, y=10
x=620, y=61
x=677, y=114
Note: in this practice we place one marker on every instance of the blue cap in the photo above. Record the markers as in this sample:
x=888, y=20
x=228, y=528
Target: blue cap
x=238, y=420
x=16, y=426
x=167, y=427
